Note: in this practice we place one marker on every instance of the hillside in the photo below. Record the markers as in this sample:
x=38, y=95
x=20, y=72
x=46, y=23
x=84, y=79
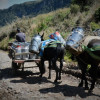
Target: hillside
x=30, y=9
x=62, y=20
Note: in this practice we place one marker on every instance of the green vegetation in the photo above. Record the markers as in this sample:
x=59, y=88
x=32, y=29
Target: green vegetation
x=84, y=4
x=97, y=15
x=75, y=8
x=94, y=26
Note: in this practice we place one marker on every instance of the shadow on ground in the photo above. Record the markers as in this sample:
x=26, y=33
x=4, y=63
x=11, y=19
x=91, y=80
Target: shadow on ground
x=68, y=91
x=7, y=73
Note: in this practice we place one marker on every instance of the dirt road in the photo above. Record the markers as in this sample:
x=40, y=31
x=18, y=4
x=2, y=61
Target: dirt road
x=28, y=85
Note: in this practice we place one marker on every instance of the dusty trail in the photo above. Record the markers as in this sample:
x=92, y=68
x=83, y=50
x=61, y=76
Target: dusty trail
x=28, y=85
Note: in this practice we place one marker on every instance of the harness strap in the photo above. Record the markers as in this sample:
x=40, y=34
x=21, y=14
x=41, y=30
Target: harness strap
x=89, y=50
x=53, y=44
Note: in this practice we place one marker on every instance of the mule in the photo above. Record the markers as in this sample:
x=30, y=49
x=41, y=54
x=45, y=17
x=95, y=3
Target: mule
x=92, y=58
x=90, y=55
x=51, y=54
x=35, y=43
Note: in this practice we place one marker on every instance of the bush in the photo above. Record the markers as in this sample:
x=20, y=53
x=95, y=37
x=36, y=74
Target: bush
x=86, y=8
x=75, y=9
x=84, y=4
x=94, y=26
x=97, y=15
x=79, y=21
x=67, y=56
x=42, y=26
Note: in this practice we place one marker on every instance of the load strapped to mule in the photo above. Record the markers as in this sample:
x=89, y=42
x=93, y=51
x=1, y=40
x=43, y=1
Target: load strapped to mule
x=74, y=41
x=77, y=42
x=58, y=37
x=37, y=46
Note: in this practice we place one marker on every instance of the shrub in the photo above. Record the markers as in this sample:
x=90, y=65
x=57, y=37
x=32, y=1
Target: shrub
x=94, y=25
x=67, y=56
x=75, y=8
x=97, y=15
x=42, y=26
x=83, y=4
x=79, y=21
x=86, y=8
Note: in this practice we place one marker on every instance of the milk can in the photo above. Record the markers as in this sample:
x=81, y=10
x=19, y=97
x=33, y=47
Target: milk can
x=34, y=45
x=16, y=46
x=18, y=50
x=76, y=35
x=32, y=56
x=58, y=37
x=25, y=50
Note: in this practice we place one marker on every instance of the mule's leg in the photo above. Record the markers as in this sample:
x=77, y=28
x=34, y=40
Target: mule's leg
x=56, y=69
x=84, y=78
x=22, y=66
x=61, y=65
x=42, y=67
x=49, y=77
x=93, y=74
x=83, y=68
x=83, y=74
x=85, y=71
x=92, y=85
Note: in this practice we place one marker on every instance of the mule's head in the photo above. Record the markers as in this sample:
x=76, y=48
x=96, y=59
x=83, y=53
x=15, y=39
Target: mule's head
x=35, y=43
x=41, y=36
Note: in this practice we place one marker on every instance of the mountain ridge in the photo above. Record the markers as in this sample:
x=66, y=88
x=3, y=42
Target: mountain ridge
x=31, y=9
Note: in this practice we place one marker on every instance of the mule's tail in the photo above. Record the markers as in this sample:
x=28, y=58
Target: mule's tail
x=59, y=49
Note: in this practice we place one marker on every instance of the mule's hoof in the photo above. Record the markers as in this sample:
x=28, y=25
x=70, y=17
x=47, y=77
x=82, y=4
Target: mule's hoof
x=90, y=91
x=49, y=77
x=40, y=76
x=80, y=85
x=59, y=78
x=86, y=88
x=55, y=81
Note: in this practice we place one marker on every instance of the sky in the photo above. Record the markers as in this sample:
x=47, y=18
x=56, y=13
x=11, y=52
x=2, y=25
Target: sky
x=7, y=3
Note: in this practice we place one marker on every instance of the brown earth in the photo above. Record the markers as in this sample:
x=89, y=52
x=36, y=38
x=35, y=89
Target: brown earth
x=28, y=85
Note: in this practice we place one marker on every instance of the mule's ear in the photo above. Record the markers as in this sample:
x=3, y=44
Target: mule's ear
x=42, y=34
